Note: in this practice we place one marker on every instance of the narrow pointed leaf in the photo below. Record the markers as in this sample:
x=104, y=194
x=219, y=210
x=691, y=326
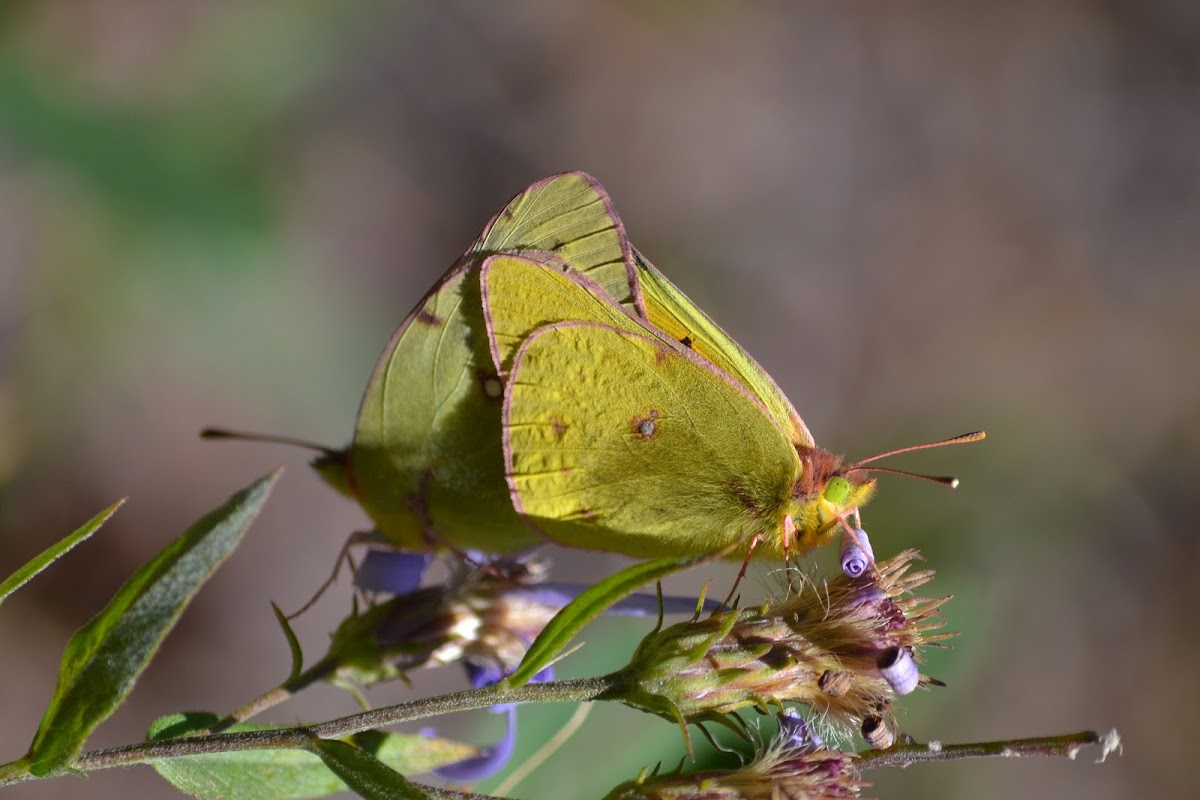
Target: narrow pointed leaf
x=366, y=775
x=55, y=552
x=104, y=658
x=288, y=774
x=589, y=605
x=293, y=642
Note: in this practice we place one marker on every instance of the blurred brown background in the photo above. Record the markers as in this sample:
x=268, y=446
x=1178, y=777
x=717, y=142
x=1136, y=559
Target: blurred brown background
x=921, y=217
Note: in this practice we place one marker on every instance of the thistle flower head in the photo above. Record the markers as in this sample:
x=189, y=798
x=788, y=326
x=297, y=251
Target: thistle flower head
x=844, y=648
x=484, y=615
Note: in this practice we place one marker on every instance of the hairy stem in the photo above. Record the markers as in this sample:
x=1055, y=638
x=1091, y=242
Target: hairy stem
x=290, y=688
x=1066, y=746
x=300, y=737
x=451, y=794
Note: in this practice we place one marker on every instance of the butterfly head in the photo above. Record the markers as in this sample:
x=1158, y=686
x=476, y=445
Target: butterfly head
x=828, y=491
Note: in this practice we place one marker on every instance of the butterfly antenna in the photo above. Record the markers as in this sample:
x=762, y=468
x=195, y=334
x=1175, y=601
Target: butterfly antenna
x=975, y=436
x=221, y=433
x=945, y=480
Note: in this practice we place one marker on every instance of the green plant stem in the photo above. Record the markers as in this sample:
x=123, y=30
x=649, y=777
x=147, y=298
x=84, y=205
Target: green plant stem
x=290, y=688
x=1066, y=746
x=300, y=737
x=15, y=772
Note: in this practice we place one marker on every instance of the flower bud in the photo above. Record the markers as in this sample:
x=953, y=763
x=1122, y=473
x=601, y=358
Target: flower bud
x=877, y=733
x=898, y=668
x=857, y=555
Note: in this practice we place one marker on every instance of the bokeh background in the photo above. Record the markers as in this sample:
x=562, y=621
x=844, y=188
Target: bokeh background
x=922, y=217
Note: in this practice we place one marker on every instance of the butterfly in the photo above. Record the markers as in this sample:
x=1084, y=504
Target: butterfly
x=554, y=385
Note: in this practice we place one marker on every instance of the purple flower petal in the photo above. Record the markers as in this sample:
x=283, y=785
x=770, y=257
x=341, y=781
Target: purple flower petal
x=898, y=668
x=391, y=571
x=482, y=673
x=794, y=728
x=486, y=673
x=870, y=593
x=490, y=760
x=555, y=593
x=857, y=556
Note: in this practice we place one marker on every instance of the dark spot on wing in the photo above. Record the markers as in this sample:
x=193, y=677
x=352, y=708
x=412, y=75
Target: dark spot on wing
x=585, y=513
x=426, y=318
x=560, y=427
x=686, y=342
x=645, y=426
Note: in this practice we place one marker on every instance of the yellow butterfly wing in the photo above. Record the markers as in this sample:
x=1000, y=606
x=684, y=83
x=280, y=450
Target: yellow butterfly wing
x=670, y=310
x=616, y=440
x=522, y=294
x=571, y=216
x=426, y=457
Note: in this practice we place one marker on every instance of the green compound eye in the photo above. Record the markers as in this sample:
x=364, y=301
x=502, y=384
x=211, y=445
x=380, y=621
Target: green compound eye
x=837, y=490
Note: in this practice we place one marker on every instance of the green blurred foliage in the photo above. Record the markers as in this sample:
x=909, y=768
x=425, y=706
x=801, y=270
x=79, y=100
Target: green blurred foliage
x=922, y=218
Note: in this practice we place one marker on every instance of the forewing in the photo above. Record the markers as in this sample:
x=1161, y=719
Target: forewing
x=670, y=311
x=571, y=216
x=616, y=441
x=522, y=294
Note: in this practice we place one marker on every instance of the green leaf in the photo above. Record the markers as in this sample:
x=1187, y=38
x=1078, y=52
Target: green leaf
x=587, y=606
x=105, y=657
x=55, y=552
x=369, y=777
x=288, y=774
x=293, y=643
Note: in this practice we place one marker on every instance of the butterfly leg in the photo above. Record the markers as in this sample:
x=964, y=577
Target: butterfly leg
x=789, y=534
x=419, y=508
x=751, y=545
x=437, y=543
x=358, y=537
